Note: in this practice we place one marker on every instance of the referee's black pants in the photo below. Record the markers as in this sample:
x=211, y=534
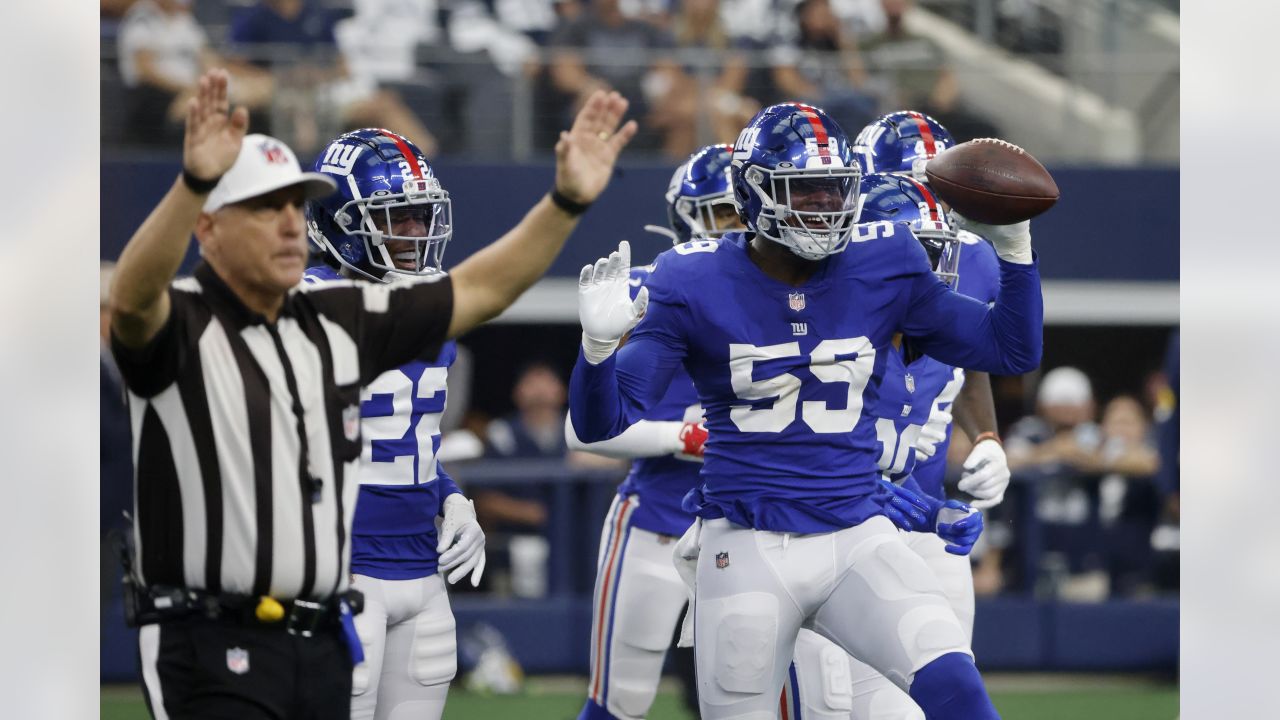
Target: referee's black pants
x=201, y=669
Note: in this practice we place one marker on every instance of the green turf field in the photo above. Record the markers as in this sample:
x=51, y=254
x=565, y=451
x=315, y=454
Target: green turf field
x=1017, y=698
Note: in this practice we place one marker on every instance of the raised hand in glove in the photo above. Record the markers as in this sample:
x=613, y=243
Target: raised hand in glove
x=605, y=307
x=1012, y=242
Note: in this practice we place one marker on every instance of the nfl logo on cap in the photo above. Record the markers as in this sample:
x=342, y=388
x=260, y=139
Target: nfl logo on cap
x=238, y=660
x=795, y=301
x=722, y=560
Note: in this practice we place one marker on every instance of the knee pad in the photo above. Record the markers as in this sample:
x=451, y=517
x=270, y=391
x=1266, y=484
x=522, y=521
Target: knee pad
x=433, y=658
x=950, y=687
x=929, y=632
x=822, y=678
x=649, y=601
x=744, y=640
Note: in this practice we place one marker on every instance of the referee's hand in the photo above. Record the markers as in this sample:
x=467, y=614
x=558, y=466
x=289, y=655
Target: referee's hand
x=586, y=152
x=213, y=131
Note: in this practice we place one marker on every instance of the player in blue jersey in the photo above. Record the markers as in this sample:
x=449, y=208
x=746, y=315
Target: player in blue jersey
x=390, y=219
x=902, y=143
x=638, y=595
x=786, y=330
x=825, y=684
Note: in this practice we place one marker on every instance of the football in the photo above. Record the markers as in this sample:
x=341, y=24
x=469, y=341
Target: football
x=992, y=181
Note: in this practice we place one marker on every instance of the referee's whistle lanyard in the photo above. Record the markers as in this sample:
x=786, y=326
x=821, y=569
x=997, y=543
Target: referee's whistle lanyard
x=311, y=485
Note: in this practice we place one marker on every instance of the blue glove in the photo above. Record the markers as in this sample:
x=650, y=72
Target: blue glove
x=961, y=533
x=953, y=521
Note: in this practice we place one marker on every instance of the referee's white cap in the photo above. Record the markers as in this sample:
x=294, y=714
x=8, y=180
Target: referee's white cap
x=265, y=165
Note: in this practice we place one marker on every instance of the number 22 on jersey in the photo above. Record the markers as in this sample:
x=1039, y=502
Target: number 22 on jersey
x=400, y=418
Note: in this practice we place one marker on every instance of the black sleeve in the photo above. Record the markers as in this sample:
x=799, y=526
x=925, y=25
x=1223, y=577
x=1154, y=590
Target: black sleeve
x=391, y=324
x=149, y=369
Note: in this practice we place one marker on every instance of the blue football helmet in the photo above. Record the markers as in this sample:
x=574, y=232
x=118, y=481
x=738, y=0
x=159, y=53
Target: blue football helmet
x=795, y=180
x=389, y=216
x=888, y=197
x=901, y=142
x=700, y=195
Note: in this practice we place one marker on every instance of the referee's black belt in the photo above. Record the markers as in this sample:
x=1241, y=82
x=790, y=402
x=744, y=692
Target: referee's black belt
x=297, y=617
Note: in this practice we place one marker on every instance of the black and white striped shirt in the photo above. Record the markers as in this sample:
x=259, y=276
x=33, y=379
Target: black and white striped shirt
x=218, y=401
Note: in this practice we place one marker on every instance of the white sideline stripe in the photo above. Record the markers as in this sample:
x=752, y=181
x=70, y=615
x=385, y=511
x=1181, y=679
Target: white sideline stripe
x=149, y=645
x=1066, y=302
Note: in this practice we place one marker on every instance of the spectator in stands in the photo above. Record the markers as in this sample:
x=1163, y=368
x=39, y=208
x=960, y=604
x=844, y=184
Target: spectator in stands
x=1128, y=504
x=296, y=40
x=1062, y=430
x=916, y=68
x=163, y=51
x=513, y=515
x=823, y=66
x=603, y=48
x=697, y=25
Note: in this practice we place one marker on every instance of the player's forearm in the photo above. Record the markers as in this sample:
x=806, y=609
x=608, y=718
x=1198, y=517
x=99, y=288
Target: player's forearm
x=492, y=279
x=139, y=297
x=647, y=438
x=974, y=411
x=596, y=410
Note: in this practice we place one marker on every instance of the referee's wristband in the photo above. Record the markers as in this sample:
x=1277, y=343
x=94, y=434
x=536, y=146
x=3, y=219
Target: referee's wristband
x=571, y=207
x=198, y=186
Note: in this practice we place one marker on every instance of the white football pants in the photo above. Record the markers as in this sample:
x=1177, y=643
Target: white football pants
x=410, y=649
x=634, y=610
x=867, y=695
x=862, y=588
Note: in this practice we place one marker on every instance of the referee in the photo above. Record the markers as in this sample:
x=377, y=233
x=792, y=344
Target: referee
x=244, y=393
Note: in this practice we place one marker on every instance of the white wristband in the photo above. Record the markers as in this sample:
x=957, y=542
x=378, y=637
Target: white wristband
x=597, y=351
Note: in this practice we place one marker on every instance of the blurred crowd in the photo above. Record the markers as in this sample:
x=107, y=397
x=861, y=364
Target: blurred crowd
x=478, y=77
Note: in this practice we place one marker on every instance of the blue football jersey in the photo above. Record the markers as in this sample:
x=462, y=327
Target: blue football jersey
x=662, y=482
x=788, y=376
x=402, y=485
x=909, y=393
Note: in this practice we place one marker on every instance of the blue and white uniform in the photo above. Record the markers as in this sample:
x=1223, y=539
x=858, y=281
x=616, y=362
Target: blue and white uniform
x=784, y=374
x=407, y=627
x=639, y=596
x=826, y=684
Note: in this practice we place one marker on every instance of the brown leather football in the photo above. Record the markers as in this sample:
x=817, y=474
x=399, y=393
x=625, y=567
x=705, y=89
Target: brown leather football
x=992, y=181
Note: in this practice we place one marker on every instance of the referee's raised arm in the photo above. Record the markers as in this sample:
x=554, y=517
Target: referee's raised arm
x=139, y=297
x=489, y=281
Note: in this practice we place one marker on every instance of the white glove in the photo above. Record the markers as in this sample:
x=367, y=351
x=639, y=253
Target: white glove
x=1012, y=242
x=933, y=432
x=986, y=474
x=685, y=557
x=467, y=554
x=605, y=307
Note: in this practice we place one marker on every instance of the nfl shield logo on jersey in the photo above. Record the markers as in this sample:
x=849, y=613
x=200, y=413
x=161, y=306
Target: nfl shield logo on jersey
x=795, y=301
x=238, y=660
x=911, y=383
x=722, y=560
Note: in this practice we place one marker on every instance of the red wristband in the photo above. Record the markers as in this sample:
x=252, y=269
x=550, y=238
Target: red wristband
x=988, y=435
